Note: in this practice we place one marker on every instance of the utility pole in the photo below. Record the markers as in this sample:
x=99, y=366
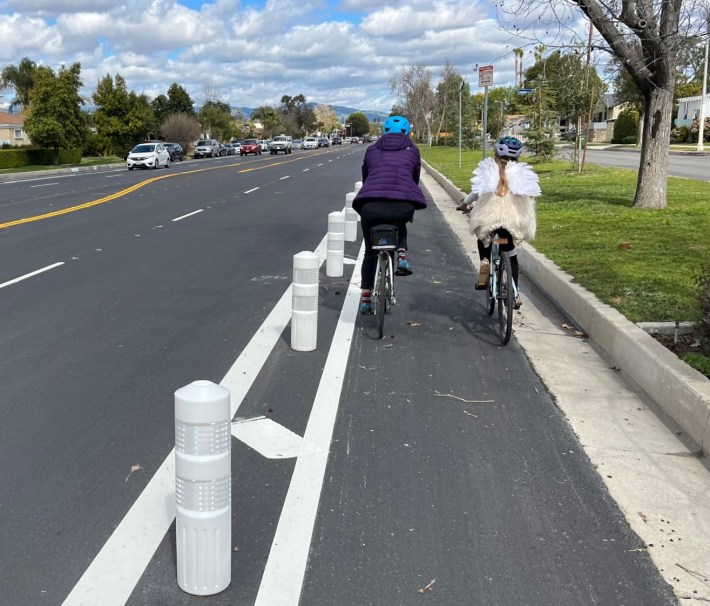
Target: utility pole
x=701, y=135
x=463, y=83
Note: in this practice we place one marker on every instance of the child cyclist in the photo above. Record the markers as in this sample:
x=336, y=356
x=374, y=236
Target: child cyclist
x=502, y=198
x=390, y=194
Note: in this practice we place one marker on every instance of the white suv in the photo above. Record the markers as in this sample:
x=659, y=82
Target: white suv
x=280, y=143
x=310, y=143
x=207, y=148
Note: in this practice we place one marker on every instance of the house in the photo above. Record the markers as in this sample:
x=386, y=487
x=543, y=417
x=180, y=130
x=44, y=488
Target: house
x=11, y=131
x=689, y=110
x=606, y=112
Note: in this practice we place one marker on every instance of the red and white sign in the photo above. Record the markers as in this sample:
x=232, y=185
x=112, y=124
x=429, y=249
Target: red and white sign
x=485, y=75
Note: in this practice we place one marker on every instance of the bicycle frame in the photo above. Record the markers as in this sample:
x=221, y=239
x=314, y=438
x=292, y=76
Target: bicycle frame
x=502, y=289
x=383, y=298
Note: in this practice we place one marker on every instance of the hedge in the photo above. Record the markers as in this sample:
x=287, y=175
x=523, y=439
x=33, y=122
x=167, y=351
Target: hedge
x=17, y=158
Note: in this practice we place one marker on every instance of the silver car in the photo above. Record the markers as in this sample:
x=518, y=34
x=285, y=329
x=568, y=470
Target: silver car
x=148, y=155
x=207, y=148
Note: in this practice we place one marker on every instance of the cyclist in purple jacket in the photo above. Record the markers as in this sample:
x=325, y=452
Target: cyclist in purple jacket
x=390, y=194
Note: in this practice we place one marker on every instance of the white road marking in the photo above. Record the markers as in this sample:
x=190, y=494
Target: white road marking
x=115, y=571
x=45, y=184
x=305, y=170
x=194, y=212
x=268, y=438
x=29, y=275
x=248, y=191
x=286, y=566
x=286, y=177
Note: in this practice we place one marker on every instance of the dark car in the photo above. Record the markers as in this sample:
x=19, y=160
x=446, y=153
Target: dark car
x=337, y=141
x=175, y=150
x=250, y=146
x=323, y=142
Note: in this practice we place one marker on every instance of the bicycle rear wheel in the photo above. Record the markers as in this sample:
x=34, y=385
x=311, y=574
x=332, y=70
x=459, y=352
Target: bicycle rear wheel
x=506, y=295
x=490, y=295
x=382, y=283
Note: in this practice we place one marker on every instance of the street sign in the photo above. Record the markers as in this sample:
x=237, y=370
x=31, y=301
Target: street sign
x=524, y=91
x=485, y=75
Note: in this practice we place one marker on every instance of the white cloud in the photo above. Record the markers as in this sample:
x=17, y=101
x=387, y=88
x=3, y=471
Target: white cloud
x=255, y=51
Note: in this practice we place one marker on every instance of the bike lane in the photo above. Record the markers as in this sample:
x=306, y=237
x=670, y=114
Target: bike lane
x=452, y=473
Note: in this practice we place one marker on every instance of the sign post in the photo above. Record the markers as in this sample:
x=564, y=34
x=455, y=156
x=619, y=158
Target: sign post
x=485, y=79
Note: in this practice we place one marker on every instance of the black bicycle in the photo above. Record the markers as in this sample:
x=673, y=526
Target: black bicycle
x=501, y=288
x=384, y=240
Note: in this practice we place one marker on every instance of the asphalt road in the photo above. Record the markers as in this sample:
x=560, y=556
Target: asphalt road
x=687, y=165
x=439, y=460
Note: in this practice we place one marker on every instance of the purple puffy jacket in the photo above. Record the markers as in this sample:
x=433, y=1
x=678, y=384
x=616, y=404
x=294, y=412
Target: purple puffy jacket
x=390, y=171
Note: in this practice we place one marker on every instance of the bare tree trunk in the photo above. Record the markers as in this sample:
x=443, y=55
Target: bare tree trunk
x=653, y=170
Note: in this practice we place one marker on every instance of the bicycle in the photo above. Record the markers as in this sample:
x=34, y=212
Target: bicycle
x=501, y=287
x=384, y=240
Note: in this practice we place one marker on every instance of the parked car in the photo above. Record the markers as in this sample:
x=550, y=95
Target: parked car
x=207, y=148
x=264, y=145
x=310, y=143
x=354, y=140
x=230, y=149
x=297, y=144
x=237, y=146
x=323, y=142
x=336, y=141
x=250, y=146
x=281, y=143
x=223, y=151
x=176, y=151
x=148, y=155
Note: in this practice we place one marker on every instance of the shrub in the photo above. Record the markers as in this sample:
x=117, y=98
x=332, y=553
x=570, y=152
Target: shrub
x=680, y=134
x=626, y=126
x=17, y=158
x=694, y=130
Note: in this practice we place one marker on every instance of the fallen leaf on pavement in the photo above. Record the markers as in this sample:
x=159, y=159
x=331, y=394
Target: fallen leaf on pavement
x=134, y=468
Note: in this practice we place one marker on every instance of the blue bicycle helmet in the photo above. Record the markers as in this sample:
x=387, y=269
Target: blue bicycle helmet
x=509, y=147
x=397, y=124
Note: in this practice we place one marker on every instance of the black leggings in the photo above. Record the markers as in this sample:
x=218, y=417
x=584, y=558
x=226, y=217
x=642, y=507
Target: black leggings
x=484, y=252
x=376, y=213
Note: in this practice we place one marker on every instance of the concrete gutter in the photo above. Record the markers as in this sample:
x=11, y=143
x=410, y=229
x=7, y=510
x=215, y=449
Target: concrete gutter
x=679, y=390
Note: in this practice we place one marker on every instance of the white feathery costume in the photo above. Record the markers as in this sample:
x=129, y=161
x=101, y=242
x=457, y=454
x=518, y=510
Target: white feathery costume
x=515, y=211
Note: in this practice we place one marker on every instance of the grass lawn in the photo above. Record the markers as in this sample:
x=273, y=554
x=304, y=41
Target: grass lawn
x=641, y=262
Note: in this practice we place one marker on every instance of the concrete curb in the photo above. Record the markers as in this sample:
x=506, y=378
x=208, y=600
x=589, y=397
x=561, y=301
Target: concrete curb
x=60, y=171
x=679, y=390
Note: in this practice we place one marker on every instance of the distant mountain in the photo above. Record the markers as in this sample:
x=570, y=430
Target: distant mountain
x=341, y=111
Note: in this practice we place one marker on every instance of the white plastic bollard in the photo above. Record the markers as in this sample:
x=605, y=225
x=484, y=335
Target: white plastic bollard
x=350, y=225
x=336, y=244
x=349, y=198
x=358, y=186
x=304, y=309
x=203, y=488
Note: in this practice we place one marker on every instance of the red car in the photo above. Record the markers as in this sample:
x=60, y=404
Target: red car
x=250, y=146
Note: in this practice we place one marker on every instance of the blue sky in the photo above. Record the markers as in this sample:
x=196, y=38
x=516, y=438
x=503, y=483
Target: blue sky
x=252, y=52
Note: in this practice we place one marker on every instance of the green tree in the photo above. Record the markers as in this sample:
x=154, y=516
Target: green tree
x=179, y=100
x=215, y=117
x=122, y=118
x=297, y=115
x=269, y=118
x=22, y=78
x=359, y=124
x=449, y=92
x=540, y=137
x=55, y=116
x=160, y=109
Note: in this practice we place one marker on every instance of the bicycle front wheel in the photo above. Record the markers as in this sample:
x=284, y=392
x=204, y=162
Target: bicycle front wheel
x=383, y=269
x=505, y=296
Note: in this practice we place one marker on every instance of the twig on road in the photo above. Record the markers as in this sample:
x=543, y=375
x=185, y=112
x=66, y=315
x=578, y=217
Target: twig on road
x=450, y=395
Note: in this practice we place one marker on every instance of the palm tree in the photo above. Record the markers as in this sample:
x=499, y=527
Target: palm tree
x=269, y=117
x=22, y=78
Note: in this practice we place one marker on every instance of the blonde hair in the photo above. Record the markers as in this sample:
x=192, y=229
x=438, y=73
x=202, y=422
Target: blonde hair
x=503, y=188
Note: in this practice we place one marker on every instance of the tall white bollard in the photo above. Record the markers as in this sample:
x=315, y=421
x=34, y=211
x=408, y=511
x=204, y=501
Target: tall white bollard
x=358, y=186
x=336, y=244
x=351, y=217
x=304, y=309
x=203, y=488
